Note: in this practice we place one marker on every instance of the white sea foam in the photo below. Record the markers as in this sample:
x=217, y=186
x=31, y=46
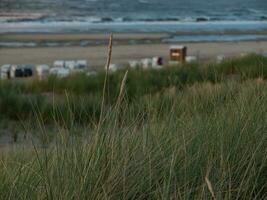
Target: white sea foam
x=120, y=26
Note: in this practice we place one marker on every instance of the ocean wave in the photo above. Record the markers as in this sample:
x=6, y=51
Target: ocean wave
x=174, y=19
x=21, y=17
x=143, y=1
x=44, y=18
x=132, y=26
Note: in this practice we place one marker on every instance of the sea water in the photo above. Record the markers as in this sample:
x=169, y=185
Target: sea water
x=190, y=16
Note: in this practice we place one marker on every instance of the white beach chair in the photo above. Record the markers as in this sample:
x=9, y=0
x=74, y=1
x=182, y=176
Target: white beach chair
x=146, y=63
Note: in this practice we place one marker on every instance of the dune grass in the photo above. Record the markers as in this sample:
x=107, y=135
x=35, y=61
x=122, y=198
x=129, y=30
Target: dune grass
x=181, y=133
x=208, y=139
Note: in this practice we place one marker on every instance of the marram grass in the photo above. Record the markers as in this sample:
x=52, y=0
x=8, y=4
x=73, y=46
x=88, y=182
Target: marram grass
x=207, y=141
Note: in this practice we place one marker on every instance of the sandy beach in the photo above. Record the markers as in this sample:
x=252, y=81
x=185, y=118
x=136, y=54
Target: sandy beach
x=146, y=45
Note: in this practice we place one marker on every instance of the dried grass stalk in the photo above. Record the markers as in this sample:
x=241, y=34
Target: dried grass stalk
x=210, y=187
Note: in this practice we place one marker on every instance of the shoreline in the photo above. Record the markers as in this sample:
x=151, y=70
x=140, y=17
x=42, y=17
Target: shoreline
x=34, y=40
x=119, y=35
x=79, y=35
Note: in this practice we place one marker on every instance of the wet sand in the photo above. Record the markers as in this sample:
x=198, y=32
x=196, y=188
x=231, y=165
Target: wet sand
x=122, y=52
x=79, y=36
